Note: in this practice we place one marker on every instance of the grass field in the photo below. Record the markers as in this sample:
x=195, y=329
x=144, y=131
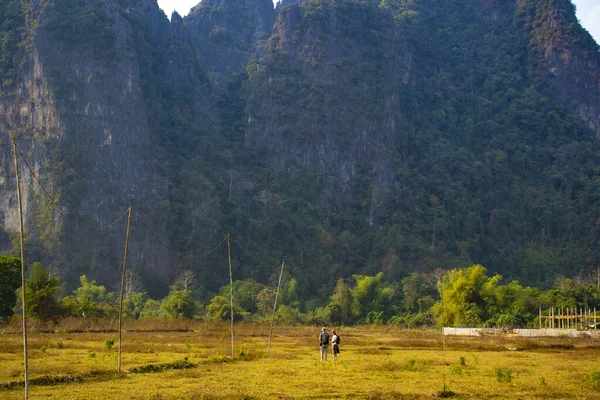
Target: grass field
x=375, y=363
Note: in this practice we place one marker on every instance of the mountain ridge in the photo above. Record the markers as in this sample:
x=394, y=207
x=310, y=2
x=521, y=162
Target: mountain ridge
x=352, y=137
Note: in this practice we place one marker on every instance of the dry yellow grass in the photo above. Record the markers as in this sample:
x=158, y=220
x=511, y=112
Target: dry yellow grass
x=375, y=363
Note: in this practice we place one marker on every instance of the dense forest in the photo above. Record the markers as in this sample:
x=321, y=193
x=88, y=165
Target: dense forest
x=368, y=145
x=458, y=297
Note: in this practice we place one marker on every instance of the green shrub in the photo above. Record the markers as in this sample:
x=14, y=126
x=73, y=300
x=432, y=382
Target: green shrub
x=504, y=375
x=109, y=343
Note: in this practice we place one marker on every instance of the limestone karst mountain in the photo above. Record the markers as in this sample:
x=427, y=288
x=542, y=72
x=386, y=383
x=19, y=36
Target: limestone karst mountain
x=342, y=136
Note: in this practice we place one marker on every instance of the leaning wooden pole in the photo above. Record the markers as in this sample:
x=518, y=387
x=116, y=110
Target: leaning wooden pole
x=23, y=303
x=275, y=308
x=230, y=289
x=123, y=285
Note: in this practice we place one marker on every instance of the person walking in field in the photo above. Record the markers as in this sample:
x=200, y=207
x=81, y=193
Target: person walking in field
x=324, y=343
x=335, y=344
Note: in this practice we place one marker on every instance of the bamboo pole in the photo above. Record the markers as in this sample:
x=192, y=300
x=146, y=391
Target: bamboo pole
x=231, y=289
x=123, y=285
x=588, y=319
x=23, y=291
x=560, y=321
x=275, y=307
x=441, y=289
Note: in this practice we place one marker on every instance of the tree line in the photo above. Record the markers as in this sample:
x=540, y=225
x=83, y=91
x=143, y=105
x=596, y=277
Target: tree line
x=457, y=297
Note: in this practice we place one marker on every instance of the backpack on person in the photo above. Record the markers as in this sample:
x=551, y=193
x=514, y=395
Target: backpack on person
x=324, y=338
x=338, y=339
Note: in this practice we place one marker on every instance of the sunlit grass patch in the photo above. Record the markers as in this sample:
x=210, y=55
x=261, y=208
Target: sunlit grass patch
x=373, y=364
x=251, y=353
x=418, y=365
x=374, y=351
x=595, y=379
x=386, y=365
x=386, y=395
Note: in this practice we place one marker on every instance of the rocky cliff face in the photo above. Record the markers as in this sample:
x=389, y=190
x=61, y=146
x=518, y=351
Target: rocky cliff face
x=571, y=59
x=83, y=124
x=227, y=32
x=327, y=93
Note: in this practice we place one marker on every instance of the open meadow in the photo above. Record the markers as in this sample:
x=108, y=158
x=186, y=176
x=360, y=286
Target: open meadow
x=192, y=361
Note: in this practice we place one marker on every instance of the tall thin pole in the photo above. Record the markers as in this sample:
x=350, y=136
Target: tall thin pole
x=441, y=290
x=275, y=307
x=442, y=318
x=123, y=284
x=23, y=293
x=230, y=289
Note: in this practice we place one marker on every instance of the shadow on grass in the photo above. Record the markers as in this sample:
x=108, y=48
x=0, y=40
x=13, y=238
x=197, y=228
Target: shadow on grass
x=182, y=364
